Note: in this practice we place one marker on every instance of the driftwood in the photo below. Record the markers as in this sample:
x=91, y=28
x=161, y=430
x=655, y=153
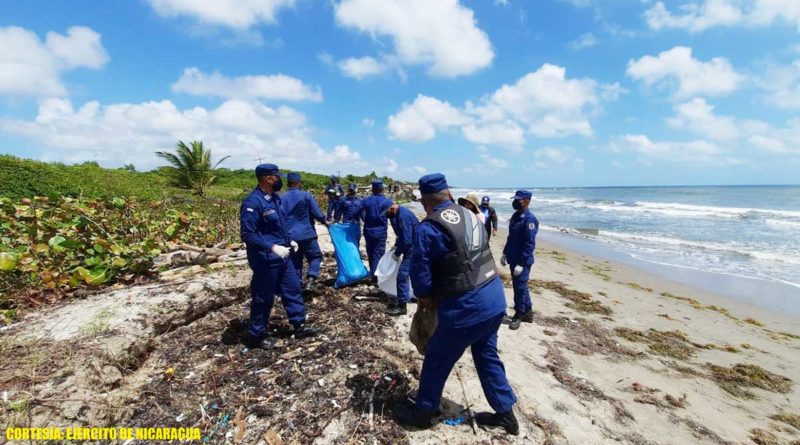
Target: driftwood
x=185, y=256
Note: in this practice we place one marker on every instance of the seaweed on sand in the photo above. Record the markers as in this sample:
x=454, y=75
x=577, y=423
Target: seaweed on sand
x=737, y=378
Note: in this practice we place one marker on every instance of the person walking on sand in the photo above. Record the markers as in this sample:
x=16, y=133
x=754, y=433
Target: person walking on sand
x=518, y=256
x=404, y=223
x=302, y=211
x=334, y=192
x=452, y=269
x=471, y=202
x=262, y=226
x=375, y=224
x=489, y=216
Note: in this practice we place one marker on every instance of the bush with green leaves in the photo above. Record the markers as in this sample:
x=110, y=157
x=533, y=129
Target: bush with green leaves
x=63, y=244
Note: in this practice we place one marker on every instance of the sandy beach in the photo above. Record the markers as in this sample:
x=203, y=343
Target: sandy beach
x=616, y=355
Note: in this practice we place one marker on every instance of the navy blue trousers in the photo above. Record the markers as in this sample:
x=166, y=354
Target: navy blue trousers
x=268, y=280
x=376, y=248
x=522, y=296
x=308, y=249
x=403, y=285
x=446, y=346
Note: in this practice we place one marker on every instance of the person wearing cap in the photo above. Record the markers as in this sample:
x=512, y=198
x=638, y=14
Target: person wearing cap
x=452, y=269
x=489, y=215
x=375, y=224
x=351, y=210
x=302, y=211
x=471, y=202
x=334, y=192
x=404, y=223
x=263, y=229
x=518, y=255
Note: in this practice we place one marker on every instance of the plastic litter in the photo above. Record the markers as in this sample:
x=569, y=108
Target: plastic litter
x=460, y=420
x=386, y=273
x=350, y=268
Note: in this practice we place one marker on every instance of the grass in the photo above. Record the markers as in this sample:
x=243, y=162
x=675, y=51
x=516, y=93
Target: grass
x=580, y=301
x=737, y=379
x=788, y=418
x=99, y=324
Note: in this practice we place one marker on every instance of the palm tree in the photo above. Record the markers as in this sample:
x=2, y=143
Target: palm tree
x=190, y=167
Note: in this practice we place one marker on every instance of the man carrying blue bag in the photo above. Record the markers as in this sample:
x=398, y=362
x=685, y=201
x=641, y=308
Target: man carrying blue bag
x=302, y=211
x=263, y=230
x=404, y=223
x=452, y=267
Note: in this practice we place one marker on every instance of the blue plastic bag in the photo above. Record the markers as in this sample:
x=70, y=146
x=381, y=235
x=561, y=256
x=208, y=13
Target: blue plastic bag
x=350, y=268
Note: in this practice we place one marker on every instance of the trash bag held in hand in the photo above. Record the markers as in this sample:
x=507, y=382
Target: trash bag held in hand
x=422, y=327
x=386, y=273
x=350, y=268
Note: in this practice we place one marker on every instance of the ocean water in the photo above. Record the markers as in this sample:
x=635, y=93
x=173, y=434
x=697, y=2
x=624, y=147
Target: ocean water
x=746, y=231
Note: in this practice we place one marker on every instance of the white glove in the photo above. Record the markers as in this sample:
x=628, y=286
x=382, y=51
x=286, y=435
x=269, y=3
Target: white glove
x=282, y=252
x=517, y=271
x=294, y=245
x=503, y=260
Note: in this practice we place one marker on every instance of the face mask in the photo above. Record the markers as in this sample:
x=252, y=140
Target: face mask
x=516, y=205
x=278, y=185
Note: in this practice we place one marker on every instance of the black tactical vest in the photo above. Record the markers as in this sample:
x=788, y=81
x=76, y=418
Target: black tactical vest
x=470, y=264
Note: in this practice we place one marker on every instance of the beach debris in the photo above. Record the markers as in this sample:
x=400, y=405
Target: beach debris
x=787, y=418
x=455, y=421
x=763, y=437
x=580, y=301
x=549, y=428
x=585, y=337
x=169, y=373
x=753, y=322
x=673, y=344
x=735, y=379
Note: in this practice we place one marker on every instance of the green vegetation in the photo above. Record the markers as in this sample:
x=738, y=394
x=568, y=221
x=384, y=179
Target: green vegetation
x=190, y=167
x=69, y=227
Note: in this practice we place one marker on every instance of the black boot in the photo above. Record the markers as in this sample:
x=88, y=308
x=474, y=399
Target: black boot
x=506, y=421
x=264, y=342
x=515, y=322
x=408, y=414
x=311, y=285
x=303, y=330
x=527, y=317
x=397, y=309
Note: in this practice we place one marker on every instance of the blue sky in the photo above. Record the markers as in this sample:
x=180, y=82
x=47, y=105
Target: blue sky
x=493, y=93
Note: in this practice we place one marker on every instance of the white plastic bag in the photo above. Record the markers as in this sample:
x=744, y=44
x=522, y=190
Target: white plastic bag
x=387, y=273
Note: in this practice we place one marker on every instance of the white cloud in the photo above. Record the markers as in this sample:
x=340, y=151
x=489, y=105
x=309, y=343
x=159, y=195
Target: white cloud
x=420, y=120
x=360, y=68
x=698, y=116
x=130, y=133
x=490, y=160
x=688, y=76
x=440, y=34
x=275, y=87
x=502, y=2
x=391, y=165
x=692, y=151
x=549, y=156
x=782, y=84
x=545, y=103
x=30, y=67
x=696, y=17
x=237, y=14
x=367, y=122
x=584, y=41
x=420, y=169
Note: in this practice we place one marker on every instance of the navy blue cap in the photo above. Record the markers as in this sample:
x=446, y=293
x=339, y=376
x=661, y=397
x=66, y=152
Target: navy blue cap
x=293, y=177
x=352, y=186
x=267, y=170
x=334, y=178
x=432, y=183
x=377, y=183
x=522, y=194
x=485, y=200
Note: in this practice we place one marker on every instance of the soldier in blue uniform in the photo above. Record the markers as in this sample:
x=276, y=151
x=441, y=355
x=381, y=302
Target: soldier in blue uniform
x=262, y=225
x=518, y=255
x=452, y=269
x=490, y=216
x=404, y=223
x=335, y=193
x=352, y=209
x=375, y=228
x=302, y=211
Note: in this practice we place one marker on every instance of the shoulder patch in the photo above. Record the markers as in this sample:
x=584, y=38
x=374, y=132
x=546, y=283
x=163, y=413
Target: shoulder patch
x=531, y=226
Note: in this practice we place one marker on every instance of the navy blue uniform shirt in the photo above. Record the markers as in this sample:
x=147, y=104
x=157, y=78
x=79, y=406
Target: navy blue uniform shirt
x=522, y=230
x=301, y=211
x=404, y=225
x=262, y=224
x=352, y=209
x=375, y=207
x=431, y=244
